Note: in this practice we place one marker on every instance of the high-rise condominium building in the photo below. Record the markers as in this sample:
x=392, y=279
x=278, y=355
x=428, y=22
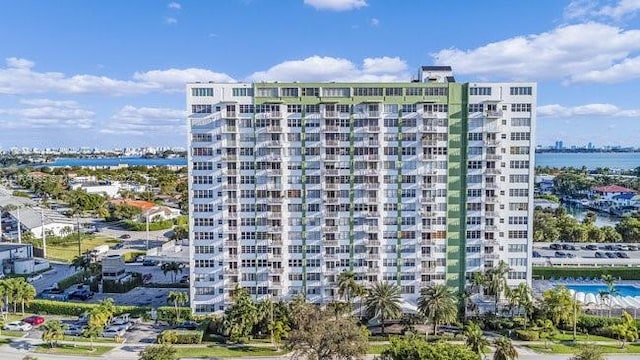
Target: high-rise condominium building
x=413, y=183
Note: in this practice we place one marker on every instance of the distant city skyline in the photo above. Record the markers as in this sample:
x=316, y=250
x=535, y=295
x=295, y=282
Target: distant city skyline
x=113, y=74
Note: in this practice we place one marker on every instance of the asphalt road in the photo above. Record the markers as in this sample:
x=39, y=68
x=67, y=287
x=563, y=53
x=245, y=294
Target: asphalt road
x=57, y=273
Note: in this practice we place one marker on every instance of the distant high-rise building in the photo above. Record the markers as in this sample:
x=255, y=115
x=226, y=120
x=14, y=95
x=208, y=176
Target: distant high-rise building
x=559, y=145
x=414, y=183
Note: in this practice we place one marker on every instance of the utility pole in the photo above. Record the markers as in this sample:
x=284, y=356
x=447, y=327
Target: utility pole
x=44, y=234
x=19, y=226
x=79, y=237
x=575, y=317
x=147, y=229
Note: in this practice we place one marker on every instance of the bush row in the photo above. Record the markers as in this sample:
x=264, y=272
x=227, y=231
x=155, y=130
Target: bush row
x=168, y=313
x=624, y=273
x=185, y=336
x=528, y=335
x=131, y=256
x=111, y=286
x=67, y=282
x=153, y=226
x=52, y=307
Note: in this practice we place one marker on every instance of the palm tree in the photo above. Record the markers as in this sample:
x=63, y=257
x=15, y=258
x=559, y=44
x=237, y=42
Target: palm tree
x=478, y=280
x=347, y=284
x=91, y=332
x=53, y=331
x=438, y=304
x=360, y=292
x=81, y=262
x=173, y=267
x=611, y=289
x=177, y=298
x=474, y=338
x=603, y=295
x=25, y=293
x=383, y=302
x=504, y=349
x=496, y=281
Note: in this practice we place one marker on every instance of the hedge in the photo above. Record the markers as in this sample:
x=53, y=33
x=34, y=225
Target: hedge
x=112, y=286
x=153, y=226
x=528, y=335
x=131, y=256
x=52, y=307
x=624, y=273
x=168, y=313
x=185, y=336
x=76, y=278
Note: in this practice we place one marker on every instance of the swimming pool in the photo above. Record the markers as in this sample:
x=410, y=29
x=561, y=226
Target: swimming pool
x=623, y=290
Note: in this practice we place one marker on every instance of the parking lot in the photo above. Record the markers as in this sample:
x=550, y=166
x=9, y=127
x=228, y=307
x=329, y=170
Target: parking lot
x=586, y=251
x=57, y=273
x=152, y=297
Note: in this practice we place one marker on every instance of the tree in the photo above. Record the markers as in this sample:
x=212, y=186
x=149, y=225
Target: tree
x=52, y=332
x=25, y=293
x=504, y=349
x=383, y=302
x=173, y=267
x=558, y=306
x=438, y=304
x=178, y=298
x=629, y=228
x=91, y=332
x=417, y=348
x=521, y=298
x=610, y=234
x=626, y=330
x=240, y=318
x=611, y=289
x=158, y=352
x=318, y=335
x=547, y=330
x=496, y=281
x=347, y=284
x=81, y=262
x=474, y=338
x=588, y=352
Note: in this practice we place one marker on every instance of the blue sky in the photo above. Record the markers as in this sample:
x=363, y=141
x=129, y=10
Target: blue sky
x=111, y=73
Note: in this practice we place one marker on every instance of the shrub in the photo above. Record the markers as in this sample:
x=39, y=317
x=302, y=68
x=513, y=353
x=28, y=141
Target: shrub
x=111, y=286
x=153, y=226
x=131, y=256
x=76, y=278
x=528, y=335
x=624, y=273
x=52, y=307
x=597, y=325
x=182, y=336
x=168, y=313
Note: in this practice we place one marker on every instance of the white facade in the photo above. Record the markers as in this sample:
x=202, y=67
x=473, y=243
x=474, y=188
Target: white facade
x=411, y=183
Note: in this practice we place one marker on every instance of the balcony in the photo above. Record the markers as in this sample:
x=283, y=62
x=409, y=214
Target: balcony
x=491, y=256
x=274, y=129
x=492, y=114
x=493, y=157
x=492, y=142
x=331, y=114
x=331, y=128
x=373, y=129
x=333, y=143
x=493, y=171
x=275, y=115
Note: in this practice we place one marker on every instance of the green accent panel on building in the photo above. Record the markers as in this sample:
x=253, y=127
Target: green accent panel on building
x=352, y=184
x=399, y=204
x=456, y=186
x=304, y=204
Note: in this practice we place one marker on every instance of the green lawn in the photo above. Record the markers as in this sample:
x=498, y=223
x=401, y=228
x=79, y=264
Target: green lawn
x=64, y=349
x=68, y=251
x=568, y=348
x=13, y=333
x=84, y=339
x=5, y=341
x=376, y=349
x=580, y=337
x=225, y=352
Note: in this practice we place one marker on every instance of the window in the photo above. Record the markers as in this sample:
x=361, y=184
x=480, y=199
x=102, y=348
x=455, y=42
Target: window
x=436, y=91
x=519, y=150
x=289, y=92
x=413, y=91
x=520, y=90
x=294, y=108
x=475, y=136
x=518, y=234
x=393, y=91
x=519, y=164
x=520, y=136
x=518, y=220
x=485, y=91
x=520, y=121
x=476, y=108
x=367, y=91
x=409, y=108
x=519, y=192
x=267, y=92
x=519, y=178
x=521, y=107
x=201, y=109
x=335, y=92
x=201, y=92
x=242, y=92
x=311, y=91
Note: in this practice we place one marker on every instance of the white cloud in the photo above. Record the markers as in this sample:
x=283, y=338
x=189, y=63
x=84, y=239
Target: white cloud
x=567, y=52
x=318, y=68
x=375, y=22
x=336, y=5
x=627, y=69
x=170, y=20
x=608, y=110
x=147, y=121
x=20, y=77
x=594, y=9
x=174, y=6
x=43, y=113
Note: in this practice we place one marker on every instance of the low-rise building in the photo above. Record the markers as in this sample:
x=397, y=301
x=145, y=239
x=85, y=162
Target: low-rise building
x=18, y=259
x=113, y=268
x=36, y=220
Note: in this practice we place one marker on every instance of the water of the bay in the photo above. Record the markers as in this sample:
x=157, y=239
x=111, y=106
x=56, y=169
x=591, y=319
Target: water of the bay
x=611, y=160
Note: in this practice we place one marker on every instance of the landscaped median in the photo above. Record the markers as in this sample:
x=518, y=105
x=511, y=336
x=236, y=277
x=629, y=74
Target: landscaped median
x=215, y=351
x=571, y=348
x=73, y=349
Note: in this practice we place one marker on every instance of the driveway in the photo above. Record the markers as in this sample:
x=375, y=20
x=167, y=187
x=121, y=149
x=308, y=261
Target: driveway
x=56, y=274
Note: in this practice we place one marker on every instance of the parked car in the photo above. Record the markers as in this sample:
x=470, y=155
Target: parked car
x=34, y=278
x=118, y=246
x=598, y=254
x=188, y=325
x=149, y=263
x=112, y=332
x=632, y=248
x=610, y=255
x=568, y=247
x=140, y=258
x=121, y=320
x=34, y=320
x=83, y=295
x=591, y=247
x=74, y=330
x=125, y=236
x=622, y=255
x=555, y=247
x=17, y=326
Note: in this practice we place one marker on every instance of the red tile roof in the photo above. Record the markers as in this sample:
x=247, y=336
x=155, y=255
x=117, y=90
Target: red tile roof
x=140, y=204
x=613, y=189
